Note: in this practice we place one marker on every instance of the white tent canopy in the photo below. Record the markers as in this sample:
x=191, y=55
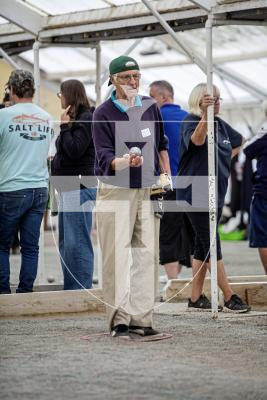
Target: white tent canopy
x=68, y=33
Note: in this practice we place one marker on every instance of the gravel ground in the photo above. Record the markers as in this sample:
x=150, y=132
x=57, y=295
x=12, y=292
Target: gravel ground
x=44, y=358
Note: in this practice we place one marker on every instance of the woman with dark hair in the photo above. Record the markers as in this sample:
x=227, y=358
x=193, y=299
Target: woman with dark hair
x=75, y=158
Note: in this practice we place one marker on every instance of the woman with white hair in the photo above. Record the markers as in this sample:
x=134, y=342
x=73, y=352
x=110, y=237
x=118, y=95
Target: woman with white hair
x=194, y=163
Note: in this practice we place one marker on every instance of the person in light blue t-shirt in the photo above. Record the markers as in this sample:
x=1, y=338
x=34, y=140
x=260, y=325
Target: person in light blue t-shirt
x=25, y=135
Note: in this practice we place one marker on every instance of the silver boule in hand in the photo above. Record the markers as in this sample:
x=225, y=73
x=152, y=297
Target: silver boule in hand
x=136, y=151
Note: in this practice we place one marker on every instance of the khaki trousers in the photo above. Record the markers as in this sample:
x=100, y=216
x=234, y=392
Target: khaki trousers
x=128, y=233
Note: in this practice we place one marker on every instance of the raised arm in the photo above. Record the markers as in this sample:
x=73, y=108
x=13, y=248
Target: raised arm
x=199, y=135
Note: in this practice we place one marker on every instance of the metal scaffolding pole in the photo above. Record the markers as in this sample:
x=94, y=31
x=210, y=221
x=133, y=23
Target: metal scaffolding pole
x=98, y=86
x=36, y=71
x=9, y=59
x=171, y=32
x=41, y=278
x=212, y=177
x=98, y=74
x=207, y=68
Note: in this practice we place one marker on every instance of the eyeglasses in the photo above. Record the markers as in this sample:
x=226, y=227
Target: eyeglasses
x=127, y=78
x=59, y=94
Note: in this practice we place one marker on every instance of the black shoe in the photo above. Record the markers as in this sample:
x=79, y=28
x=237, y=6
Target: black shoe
x=202, y=304
x=236, y=305
x=121, y=331
x=143, y=331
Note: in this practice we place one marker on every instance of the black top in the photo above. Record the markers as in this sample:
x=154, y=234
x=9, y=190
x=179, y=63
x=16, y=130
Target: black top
x=75, y=148
x=194, y=159
x=116, y=131
x=257, y=148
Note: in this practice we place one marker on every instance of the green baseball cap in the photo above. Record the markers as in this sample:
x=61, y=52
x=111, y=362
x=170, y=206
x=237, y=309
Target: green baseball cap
x=122, y=63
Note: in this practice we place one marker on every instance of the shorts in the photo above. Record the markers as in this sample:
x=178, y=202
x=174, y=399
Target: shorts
x=258, y=222
x=200, y=224
x=176, y=236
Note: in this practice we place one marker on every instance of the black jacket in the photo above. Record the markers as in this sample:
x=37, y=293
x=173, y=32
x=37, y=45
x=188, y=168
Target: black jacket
x=256, y=148
x=75, y=148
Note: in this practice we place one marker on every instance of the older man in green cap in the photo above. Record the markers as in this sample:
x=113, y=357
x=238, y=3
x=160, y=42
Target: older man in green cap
x=131, y=149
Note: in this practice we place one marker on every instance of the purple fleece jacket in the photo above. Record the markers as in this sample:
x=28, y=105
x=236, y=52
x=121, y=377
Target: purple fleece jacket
x=115, y=132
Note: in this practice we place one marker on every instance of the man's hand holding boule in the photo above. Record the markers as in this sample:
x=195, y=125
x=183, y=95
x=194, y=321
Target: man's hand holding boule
x=120, y=163
x=136, y=161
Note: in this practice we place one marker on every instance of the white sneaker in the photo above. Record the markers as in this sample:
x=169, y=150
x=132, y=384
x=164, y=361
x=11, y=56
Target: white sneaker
x=232, y=224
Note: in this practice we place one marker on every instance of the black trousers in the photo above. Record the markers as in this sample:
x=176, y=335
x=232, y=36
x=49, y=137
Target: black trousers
x=200, y=225
x=176, y=241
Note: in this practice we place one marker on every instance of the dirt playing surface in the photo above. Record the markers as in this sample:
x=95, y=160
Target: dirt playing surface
x=44, y=358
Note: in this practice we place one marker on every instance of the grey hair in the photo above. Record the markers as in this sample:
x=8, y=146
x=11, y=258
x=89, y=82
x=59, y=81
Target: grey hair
x=22, y=83
x=163, y=85
x=195, y=98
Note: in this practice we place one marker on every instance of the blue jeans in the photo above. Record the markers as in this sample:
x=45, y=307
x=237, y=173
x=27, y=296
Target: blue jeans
x=23, y=210
x=75, y=246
